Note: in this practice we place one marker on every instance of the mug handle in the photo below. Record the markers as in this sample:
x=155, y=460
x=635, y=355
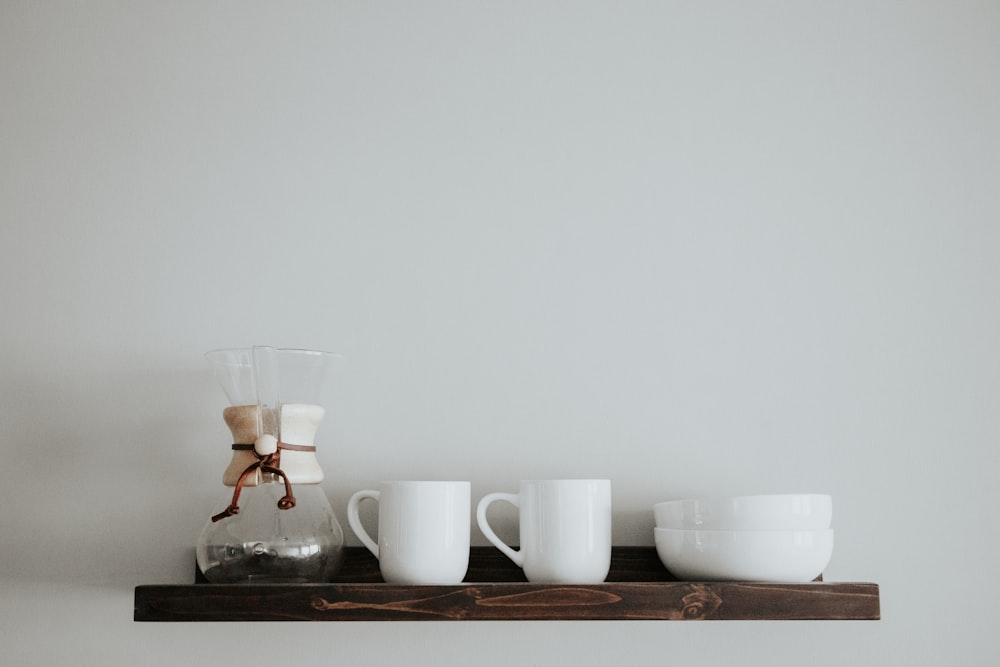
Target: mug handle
x=484, y=525
x=355, y=520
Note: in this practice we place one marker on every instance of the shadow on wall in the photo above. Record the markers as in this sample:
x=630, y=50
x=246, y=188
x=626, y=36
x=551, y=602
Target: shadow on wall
x=113, y=475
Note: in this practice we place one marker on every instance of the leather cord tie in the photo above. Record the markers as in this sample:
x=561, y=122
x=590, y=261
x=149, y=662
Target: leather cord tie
x=268, y=464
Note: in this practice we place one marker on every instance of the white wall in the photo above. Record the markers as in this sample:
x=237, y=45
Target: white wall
x=695, y=247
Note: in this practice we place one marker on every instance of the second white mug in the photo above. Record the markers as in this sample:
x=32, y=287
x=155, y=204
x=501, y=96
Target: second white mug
x=423, y=530
x=565, y=529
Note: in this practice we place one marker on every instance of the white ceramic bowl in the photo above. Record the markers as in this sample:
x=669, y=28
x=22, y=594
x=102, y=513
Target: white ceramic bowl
x=789, y=556
x=788, y=511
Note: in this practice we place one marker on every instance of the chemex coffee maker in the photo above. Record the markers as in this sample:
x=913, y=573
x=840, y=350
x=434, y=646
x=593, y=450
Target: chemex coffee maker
x=275, y=524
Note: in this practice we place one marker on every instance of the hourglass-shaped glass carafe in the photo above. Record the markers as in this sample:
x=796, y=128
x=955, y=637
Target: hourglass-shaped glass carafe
x=276, y=525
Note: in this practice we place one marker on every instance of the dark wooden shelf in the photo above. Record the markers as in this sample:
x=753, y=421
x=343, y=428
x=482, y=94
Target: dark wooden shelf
x=637, y=588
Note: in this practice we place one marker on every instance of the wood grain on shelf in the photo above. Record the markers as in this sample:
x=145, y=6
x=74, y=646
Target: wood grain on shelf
x=638, y=588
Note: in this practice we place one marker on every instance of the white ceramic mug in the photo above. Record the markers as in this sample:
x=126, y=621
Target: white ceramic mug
x=565, y=529
x=423, y=530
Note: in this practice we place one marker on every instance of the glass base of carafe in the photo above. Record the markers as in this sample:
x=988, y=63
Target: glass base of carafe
x=262, y=544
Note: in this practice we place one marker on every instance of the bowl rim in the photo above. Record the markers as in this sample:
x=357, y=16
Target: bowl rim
x=755, y=496
x=721, y=531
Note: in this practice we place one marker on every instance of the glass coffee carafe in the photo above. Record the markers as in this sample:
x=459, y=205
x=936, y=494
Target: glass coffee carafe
x=276, y=525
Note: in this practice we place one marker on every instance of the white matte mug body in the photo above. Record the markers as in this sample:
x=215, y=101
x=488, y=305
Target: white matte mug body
x=565, y=529
x=423, y=530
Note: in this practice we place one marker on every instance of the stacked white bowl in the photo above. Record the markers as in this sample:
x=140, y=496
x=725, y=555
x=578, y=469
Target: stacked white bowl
x=779, y=538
